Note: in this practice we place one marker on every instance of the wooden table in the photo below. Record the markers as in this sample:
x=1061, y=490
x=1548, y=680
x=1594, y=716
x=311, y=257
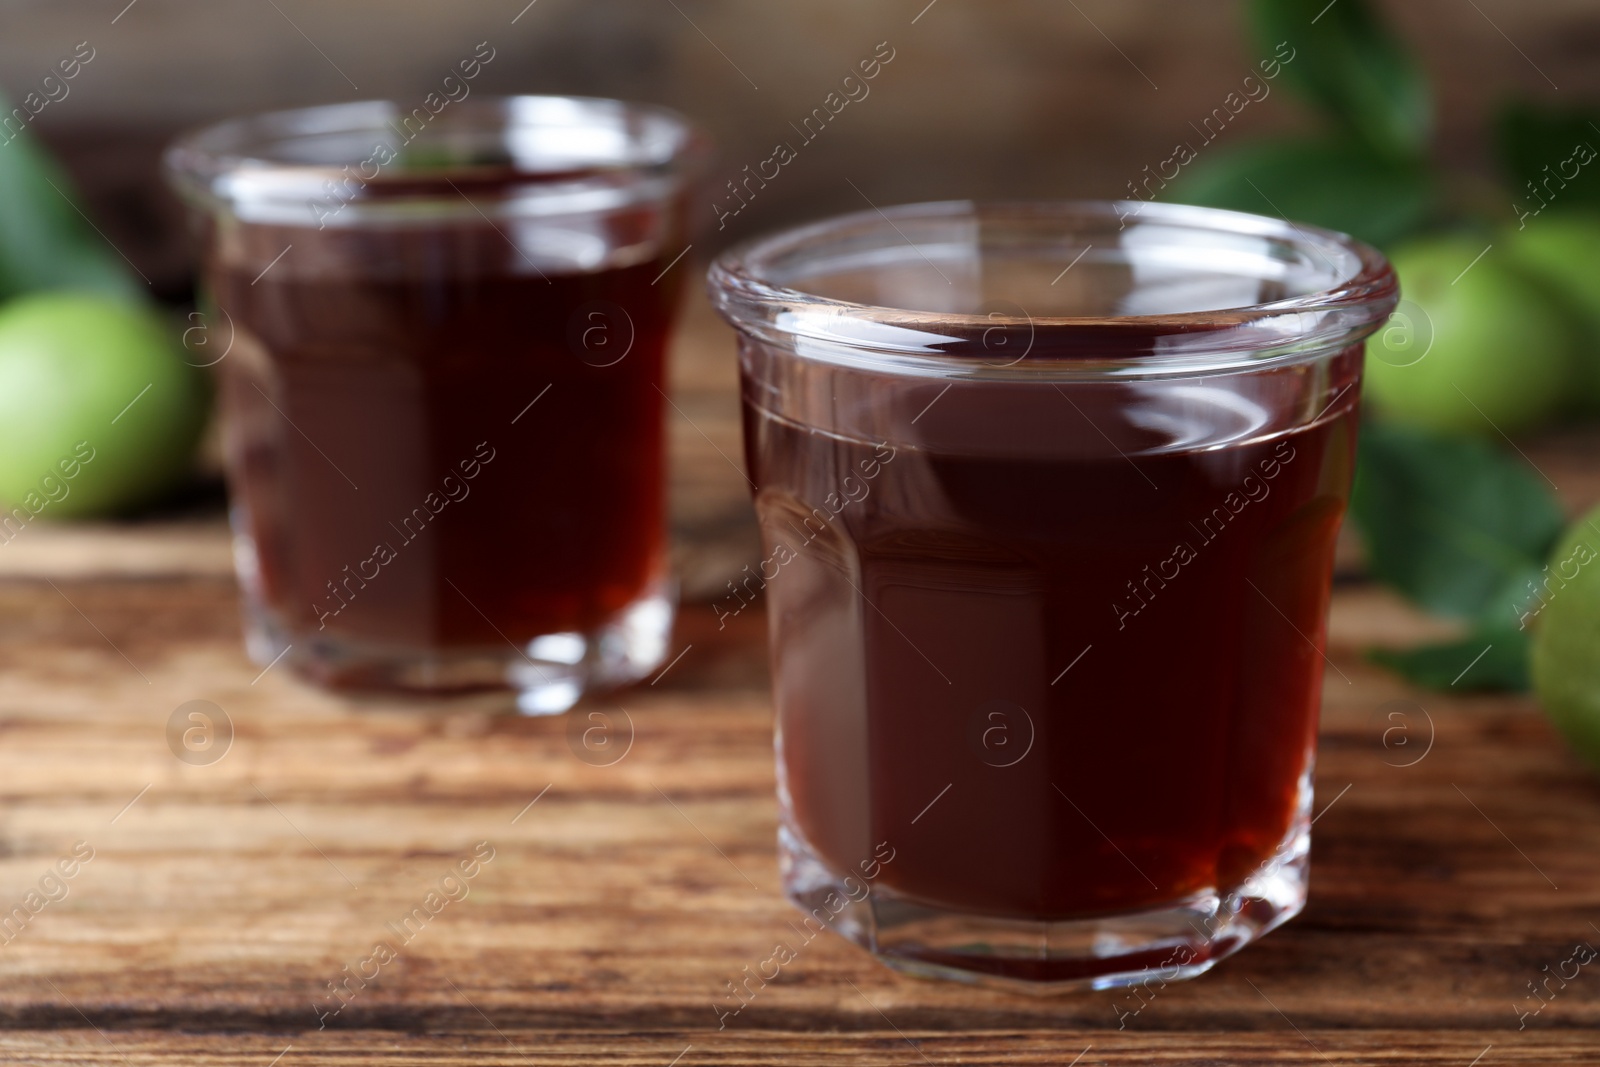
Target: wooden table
x=223, y=898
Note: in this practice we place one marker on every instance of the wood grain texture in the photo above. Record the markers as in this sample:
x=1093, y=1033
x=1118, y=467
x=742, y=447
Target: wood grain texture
x=227, y=896
x=486, y=1047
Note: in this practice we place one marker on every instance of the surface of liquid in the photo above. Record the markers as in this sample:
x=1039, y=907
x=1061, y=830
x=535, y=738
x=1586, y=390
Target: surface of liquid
x=437, y=442
x=1060, y=647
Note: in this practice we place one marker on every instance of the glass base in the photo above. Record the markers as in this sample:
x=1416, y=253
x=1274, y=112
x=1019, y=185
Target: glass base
x=549, y=673
x=1180, y=940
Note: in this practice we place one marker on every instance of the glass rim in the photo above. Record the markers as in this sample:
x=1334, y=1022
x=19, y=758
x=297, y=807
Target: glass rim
x=911, y=341
x=241, y=162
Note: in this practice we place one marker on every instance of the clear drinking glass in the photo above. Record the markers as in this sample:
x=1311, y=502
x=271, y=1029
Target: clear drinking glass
x=439, y=336
x=1048, y=495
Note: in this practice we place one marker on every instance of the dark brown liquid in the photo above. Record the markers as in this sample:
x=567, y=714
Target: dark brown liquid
x=991, y=652
x=400, y=489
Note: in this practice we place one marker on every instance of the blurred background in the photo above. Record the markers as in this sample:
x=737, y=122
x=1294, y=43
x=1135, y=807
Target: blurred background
x=1009, y=99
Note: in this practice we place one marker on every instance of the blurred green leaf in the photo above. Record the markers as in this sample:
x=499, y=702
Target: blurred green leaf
x=1485, y=660
x=1455, y=524
x=1338, y=185
x=45, y=242
x=1550, y=156
x=1351, y=66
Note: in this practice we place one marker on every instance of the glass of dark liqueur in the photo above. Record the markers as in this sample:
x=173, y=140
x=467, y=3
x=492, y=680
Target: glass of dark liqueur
x=439, y=336
x=1048, y=495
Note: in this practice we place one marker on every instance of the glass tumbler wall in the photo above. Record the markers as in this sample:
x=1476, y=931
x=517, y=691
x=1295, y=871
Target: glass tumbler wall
x=1049, y=496
x=439, y=338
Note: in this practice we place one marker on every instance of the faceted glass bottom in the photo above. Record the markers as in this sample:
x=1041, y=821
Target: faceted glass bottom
x=1181, y=940
x=549, y=673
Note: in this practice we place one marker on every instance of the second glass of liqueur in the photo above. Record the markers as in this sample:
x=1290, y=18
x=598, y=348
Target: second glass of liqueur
x=1049, y=496
x=440, y=336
